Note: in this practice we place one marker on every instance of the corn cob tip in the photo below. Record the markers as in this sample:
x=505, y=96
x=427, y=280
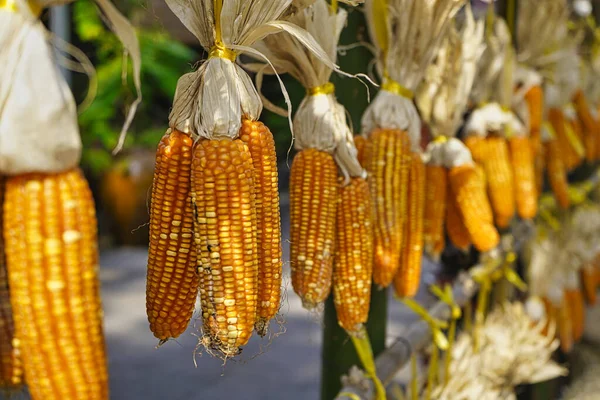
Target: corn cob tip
x=216, y=348
x=261, y=326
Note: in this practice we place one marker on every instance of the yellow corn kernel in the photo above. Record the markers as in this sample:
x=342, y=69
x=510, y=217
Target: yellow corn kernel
x=353, y=266
x=223, y=196
x=468, y=187
x=11, y=368
x=457, y=231
x=557, y=173
x=264, y=157
x=408, y=277
x=52, y=259
x=313, y=198
x=436, y=193
x=500, y=180
x=388, y=165
x=172, y=279
x=361, y=144
x=522, y=161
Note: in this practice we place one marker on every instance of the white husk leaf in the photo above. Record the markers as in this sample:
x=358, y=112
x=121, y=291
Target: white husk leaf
x=512, y=351
x=320, y=122
x=491, y=63
x=415, y=30
x=443, y=96
x=212, y=101
x=38, y=116
x=565, y=81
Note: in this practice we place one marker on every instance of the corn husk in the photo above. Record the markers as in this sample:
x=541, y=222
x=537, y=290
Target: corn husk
x=211, y=102
x=489, y=115
x=413, y=32
x=443, y=96
x=512, y=351
x=320, y=121
x=38, y=115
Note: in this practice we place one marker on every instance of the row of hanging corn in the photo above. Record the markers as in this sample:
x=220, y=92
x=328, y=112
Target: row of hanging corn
x=363, y=209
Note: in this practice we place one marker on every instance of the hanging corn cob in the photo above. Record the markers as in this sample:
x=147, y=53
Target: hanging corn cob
x=442, y=99
x=391, y=123
x=572, y=132
x=172, y=282
x=49, y=223
x=331, y=242
x=11, y=369
x=488, y=127
x=52, y=259
x=234, y=181
x=589, y=125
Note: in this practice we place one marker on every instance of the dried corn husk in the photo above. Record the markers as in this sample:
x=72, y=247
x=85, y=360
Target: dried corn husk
x=405, y=48
x=38, y=116
x=512, y=351
x=212, y=101
x=320, y=122
x=443, y=96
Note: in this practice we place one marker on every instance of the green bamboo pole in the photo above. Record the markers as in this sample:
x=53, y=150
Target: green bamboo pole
x=338, y=353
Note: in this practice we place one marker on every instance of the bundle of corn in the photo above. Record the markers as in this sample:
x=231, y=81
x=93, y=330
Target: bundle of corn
x=233, y=188
x=331, y=214
x=486, y=128
x=392, y=126
x=442, y=99
x=512, y=352
x=49, y=223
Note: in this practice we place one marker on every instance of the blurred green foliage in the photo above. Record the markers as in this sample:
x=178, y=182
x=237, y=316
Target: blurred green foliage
x=164, y=60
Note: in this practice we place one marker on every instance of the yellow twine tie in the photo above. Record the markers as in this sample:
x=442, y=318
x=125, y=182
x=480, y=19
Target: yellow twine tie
x=390, y=85
x=11, y=6
x=325, y=89
x=574, y=140
x=550, y=129
x=440, y=139
x=220, y=51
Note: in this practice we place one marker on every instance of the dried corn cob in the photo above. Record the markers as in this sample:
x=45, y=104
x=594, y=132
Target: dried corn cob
x=388, y=164
x=568, y=153
x=172, y=279
x=313, y=198
x=353, y=267
x=52, y=259
x=500, y=180
x=576, y=306
x=522, y=161
x=588, y=281
x=408, y=277
x=11, y=368
x=535, y=103
x=361, y=146
x=565, y=325
x=436, y=188
x=455, y=226
x=557, y=174
x=468, y=187
x=477, y=145
x=223, y=196
x=589, y=125
x=262, y=149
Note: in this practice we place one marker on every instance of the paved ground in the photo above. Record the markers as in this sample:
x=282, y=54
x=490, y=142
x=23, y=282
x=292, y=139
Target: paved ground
x=287, y=368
